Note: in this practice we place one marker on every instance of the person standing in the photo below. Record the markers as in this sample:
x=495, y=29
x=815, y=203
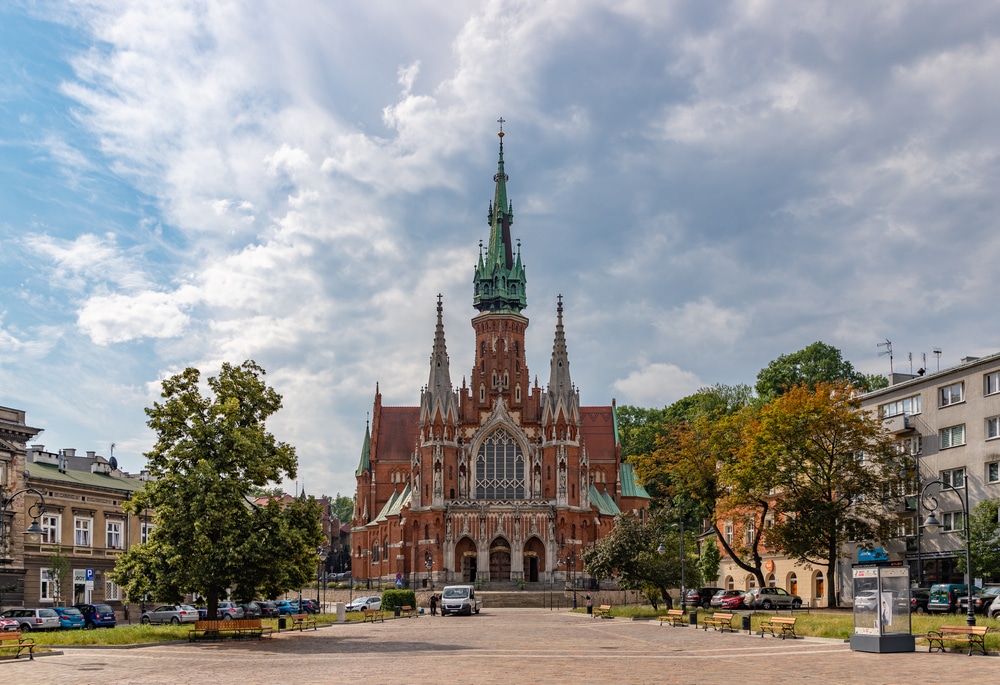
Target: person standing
x=434, y=603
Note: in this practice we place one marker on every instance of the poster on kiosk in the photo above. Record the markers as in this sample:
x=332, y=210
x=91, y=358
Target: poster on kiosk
x=882, y=609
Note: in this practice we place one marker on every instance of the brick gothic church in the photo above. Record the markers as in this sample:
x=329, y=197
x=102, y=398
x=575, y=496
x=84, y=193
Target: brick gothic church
x=500, y=480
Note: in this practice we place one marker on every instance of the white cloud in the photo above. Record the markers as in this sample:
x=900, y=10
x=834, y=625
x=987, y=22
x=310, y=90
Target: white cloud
x=120, y=318
x=656, y=385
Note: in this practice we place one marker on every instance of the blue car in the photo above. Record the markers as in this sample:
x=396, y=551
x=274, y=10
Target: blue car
x=70, y=617
x=286, y=607
x=97, y=616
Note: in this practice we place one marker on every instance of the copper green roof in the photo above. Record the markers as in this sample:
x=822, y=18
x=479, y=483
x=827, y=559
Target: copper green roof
x=499, y=281
x=51, y=472
x=366, y=449
x=604, y=503
x=395, y=505
x=630, y=482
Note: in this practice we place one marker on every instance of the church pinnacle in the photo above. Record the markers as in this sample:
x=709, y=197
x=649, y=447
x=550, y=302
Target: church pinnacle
x=499, y=280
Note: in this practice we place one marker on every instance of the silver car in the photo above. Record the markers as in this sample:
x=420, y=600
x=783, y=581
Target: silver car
x=771, y=598
x=170, y=613
x=34, y=619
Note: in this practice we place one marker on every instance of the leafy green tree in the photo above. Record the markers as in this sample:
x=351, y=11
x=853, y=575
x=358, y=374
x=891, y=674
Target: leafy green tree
x=342, y=508
x=984, y=533
x=630, y=554
x=829, y=464
x=638, y=428
x=209, y=452
x=817, y=363
x=709, y=560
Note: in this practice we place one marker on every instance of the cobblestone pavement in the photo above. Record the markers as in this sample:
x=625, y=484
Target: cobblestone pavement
x=500, y=646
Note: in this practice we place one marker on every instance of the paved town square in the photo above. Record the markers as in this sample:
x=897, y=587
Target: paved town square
x=500, y=646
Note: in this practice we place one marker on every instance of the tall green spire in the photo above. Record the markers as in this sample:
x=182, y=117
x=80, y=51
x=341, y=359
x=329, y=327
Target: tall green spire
x=499, y=279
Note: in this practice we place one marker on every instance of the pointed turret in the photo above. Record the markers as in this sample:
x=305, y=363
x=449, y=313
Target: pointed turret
x=438, y=404
x=561, y=402
x=499, y=278
x=366, y=450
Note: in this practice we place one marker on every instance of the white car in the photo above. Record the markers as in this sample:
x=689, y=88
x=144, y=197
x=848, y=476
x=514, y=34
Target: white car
x=460, y=599
x=365, y=603
x=866, y=600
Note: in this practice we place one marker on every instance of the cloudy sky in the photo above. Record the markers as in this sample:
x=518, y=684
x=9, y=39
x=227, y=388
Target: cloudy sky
x=708, y=184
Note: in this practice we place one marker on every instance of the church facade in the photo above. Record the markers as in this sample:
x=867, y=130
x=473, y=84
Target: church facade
x=499, y=480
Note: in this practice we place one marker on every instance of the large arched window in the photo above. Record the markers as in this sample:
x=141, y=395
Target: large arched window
x=500, y=467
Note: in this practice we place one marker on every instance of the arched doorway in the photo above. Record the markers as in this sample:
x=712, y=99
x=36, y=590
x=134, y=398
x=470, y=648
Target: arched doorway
x=500, y=560
x=465, y=555
x=793, y=584
x=534, y=559
x=818, y=588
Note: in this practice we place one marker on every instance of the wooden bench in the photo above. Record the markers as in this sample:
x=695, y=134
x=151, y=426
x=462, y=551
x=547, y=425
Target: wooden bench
x=373, y=615
x=719, y=621
x=22, y=643
x=604, y=611
x=973, y=636
x=407, y=611
x=236, y=629
x=302, y=621
x=675, y=617
x=778, y=624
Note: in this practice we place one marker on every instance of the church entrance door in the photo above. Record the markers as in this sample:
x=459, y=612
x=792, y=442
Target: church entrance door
x=500, y=560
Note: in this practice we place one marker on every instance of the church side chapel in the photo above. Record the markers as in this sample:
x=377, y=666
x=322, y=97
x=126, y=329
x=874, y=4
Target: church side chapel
x=497, y=482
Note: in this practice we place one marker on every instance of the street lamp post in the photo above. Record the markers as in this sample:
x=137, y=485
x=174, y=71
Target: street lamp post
x=319, y=577
x=931, y=524
x=6, y=503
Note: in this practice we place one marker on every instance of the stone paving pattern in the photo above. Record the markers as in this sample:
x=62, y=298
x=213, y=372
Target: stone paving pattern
x=501, y=646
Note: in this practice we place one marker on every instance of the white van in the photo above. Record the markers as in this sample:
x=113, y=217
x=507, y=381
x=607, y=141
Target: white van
x=460, y=599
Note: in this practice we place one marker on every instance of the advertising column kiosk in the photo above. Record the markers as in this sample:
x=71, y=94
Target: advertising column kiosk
x=882, y=609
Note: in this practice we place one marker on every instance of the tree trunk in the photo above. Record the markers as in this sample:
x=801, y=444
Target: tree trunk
x=212, y=604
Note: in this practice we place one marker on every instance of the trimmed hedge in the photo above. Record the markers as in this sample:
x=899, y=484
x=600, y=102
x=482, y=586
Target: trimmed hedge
x=398, y=598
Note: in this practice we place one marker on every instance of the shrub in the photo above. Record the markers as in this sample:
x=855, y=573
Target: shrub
x=398, y=598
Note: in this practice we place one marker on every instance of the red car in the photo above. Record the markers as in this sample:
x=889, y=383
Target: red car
x=9, y=624
x=733, y=602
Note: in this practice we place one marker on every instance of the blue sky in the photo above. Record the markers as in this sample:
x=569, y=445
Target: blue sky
x=708, y=185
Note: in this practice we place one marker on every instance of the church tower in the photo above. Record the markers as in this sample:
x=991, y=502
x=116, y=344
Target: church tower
x=498, y=481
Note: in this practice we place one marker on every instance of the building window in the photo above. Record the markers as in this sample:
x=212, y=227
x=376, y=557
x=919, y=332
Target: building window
x=729, y=533
x=50, y=529
x=907, y=406
x=991, y=383
x=81, y=532
x=375, y=553
x=750, y=532
x=112, y=593
x=771, y=581
x=500, y=468
x=993, y=427
x=114, y=535
x=993, y=472
x=730, y=583
x=951, y=394
x=953, y=436
x=48, y=593
x=144, y=530
x=912, y=446
x=905, y=527
x=953, y=478
x=952, y=520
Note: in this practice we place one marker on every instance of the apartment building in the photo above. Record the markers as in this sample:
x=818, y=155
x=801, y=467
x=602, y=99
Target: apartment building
x=15, y=433
x=83, y=522
x=949, y=421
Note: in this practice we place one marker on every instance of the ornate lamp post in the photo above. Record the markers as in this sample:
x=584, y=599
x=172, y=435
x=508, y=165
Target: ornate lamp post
x=931, y=525
x=6, y=508
x=322, y=567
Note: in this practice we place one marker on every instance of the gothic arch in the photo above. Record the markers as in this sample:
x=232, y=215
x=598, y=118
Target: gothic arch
x=500, y=554
x=534, y=559
x=466, y=558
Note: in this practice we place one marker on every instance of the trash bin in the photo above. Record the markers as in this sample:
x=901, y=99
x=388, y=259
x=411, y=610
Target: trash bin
x=396, y=611
x=282, y=623
x=693, y=618
x=746, y=623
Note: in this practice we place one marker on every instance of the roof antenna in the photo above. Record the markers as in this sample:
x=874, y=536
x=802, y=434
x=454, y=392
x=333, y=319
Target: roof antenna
x=888, y=351
x=937, y=353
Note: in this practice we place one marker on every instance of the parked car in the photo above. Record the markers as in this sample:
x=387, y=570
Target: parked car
x=310, y=606
x=97, y=616
x=771, y=597
x=944, y=596
x=737, y=601
x=287, y=608
x=373, y=602
x=170, y=613
x=70, y=617
x=981, y=601
x=866, y=600
x=460, y=599
x=993, y=610
x=252, y=610
x=918, y=599
x=9, y=624
x=717, y=598
x=228, y=611
x=268, y=609
x=34, y=619
x=701, y=596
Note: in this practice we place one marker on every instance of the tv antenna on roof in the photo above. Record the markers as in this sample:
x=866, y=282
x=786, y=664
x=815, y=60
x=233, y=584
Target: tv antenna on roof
x=888, y=351
x=937, y=353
